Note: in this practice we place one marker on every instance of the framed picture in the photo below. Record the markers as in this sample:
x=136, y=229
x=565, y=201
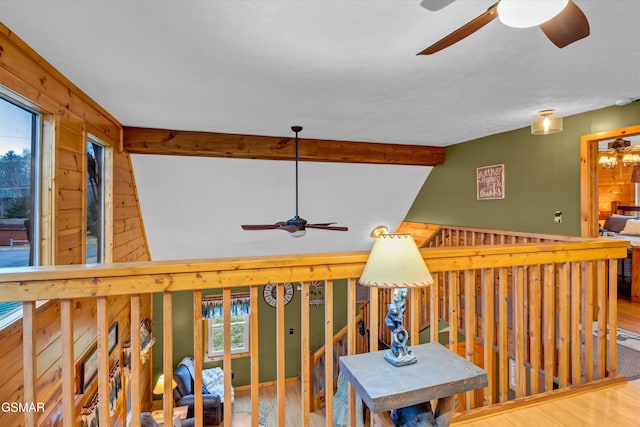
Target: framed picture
x=87, y=369
x=490, y=182
x=113, y=337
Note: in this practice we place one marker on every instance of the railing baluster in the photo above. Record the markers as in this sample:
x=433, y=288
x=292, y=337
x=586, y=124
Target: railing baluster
x=373, y=319
x=102, y=338
x=226, y=358
x=519, y=313
x=548, y=325
x=136, y=365
x=503, y=339
x=305, y=377
x=68, y=373
x=453, y=311
x=564, y=316
x=576, y=368
x=487, y=331
x=586, y=286
x=280, y=367
x=197, y=356
x=612, y=357
x=167, y=355
x=534, y=327
x=470, y=326
x=328, y=346
x=351, y=342
x=435, y=299
x=29, y=357
x=601, y=313
x=255, y=353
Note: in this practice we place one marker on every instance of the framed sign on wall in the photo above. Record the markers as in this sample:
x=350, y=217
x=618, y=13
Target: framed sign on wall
x=490, y=182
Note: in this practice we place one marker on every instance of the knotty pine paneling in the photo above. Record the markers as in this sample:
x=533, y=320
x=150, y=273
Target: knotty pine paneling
x=129, y=238
x=614, y=185
x=71, y=113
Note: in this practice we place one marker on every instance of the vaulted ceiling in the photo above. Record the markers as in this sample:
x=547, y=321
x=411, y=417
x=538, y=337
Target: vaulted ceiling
x=345, y=70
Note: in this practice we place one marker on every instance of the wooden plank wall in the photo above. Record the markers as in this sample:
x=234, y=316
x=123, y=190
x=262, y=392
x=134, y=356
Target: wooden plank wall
x=72, y=115
x=614, y=185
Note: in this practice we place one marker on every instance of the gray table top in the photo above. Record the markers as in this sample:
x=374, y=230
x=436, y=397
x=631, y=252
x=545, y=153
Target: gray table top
x=438, y=373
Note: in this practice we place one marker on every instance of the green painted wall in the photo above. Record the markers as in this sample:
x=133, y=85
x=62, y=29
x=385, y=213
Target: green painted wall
x=542, y=175
x=183, y=333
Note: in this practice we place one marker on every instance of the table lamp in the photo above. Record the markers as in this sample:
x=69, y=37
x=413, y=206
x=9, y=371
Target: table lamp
x=395, y=262
x=159, y=388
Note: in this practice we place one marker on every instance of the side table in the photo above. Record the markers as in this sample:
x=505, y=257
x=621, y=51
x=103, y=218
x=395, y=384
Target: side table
x=439, y=374
x=179, y=412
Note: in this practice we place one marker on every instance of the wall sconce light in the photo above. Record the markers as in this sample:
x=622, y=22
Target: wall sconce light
x=395, y=262
x=546, y=122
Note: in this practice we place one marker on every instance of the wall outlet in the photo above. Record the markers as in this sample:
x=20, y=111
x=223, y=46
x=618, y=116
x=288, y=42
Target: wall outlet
x=557, y=217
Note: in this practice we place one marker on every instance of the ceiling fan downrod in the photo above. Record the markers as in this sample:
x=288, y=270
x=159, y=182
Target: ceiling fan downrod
x=296, y=129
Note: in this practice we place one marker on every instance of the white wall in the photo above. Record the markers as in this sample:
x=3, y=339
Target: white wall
x=193, y=206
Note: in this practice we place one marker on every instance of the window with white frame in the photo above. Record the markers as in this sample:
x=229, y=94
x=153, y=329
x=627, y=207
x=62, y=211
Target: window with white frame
x=212, y=312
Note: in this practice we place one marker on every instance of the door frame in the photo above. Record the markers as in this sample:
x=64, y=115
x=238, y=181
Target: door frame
x=589, y=176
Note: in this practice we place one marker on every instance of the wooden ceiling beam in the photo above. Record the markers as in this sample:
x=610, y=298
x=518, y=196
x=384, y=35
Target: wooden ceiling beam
x=211, y=144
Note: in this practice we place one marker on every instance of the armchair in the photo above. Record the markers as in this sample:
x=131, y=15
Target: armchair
x=183, y=395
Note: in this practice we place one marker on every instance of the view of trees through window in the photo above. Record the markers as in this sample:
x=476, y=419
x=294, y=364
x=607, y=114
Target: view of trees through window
x=18, y=136
x=239, y=335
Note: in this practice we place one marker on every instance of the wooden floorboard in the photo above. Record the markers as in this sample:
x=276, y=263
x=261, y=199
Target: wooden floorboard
x=629, y=315
x=267, y=398
x=617, y=406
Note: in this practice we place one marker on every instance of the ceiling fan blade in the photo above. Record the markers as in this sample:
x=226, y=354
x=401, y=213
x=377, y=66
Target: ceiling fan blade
x=327, y=227
x=260, y=227
x=464, y=31
x=566, y=27
x=434, y=5
x=289, y=228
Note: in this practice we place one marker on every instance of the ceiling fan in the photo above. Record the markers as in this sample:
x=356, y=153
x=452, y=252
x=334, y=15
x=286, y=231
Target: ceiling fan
x=296, y=226
x=562, y=21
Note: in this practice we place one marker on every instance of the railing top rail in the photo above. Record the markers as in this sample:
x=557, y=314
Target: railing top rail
x=528, y=235
x=80, y=281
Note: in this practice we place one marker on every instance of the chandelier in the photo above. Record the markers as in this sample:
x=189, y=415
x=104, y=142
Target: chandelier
x=619, y=153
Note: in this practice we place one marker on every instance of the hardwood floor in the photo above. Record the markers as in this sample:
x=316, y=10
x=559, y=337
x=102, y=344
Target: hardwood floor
x=612, y=406
x=267, y=399
x=629, y=315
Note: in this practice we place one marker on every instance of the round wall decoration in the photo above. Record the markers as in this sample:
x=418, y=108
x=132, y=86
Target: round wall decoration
x=270, y=290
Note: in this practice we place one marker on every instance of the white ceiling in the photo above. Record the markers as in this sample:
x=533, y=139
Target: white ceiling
x=344, y=70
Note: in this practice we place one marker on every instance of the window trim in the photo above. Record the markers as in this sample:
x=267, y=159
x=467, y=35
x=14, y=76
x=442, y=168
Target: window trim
x=212, y=356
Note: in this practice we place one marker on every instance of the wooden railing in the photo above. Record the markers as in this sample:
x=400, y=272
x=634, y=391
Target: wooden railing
x=340, y=348
x=539, y=305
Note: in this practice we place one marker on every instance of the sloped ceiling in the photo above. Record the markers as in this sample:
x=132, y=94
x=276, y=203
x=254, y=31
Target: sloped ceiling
x=344, y=70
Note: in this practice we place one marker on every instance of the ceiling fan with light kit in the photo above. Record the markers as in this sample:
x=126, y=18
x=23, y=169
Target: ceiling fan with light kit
x=296, y=226
x=562, y=21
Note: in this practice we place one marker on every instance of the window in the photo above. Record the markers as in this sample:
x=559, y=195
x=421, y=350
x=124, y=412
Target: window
x=212, y=312
x=19, y=210
x=239, y=335
x=95, y=203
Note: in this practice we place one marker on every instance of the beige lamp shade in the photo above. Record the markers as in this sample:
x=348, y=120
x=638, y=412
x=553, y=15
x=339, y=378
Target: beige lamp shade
x=159, y=388
x=395, y=262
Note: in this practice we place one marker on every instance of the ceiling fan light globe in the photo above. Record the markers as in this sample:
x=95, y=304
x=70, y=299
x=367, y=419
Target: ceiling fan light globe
x=528, y=13
x=298, y=233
